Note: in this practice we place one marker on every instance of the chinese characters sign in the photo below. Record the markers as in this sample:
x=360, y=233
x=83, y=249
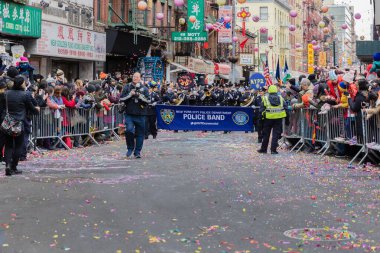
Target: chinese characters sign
x=310, y=59
x=20, y=20
x=225, y=32
x=70, y=42
x=195, y=30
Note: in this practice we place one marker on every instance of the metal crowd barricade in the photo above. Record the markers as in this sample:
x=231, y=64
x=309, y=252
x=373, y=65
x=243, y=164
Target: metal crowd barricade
x=315, y=127
x=294, y=129
x=118, y=119
x=371, y=125
x=346, y=128
x=102, y=121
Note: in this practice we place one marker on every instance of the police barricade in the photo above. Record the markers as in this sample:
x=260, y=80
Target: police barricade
x=345, y=127
x=371, y=125
x=102, y=121
x=292, y=128
x=314, y=128
x=118, y=119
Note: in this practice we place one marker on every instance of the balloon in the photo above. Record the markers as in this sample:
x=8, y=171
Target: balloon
x=227, y=19
x=241, y=1
x=221, y=2
x=192, y=19
x=263, y=30
x=209, y=26
x=160, y=16
x=326, y=30
x=293, y=13
x=324, y=9
x=344, y=26
x=270, y=38
x=358, y=16
x=179, y=3
x=182, y=21
x=316, y=47
x=314, y=42
x=292, y=28
x=256, y=18
x=235, y=39
x=230, y=47
x=142, y=5
x=322, y=24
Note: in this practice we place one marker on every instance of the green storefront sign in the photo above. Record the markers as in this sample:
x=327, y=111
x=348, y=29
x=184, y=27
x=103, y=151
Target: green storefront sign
x=195, y=30
x=20, y=20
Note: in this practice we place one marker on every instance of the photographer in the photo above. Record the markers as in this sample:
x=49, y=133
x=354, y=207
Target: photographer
x=136, y=99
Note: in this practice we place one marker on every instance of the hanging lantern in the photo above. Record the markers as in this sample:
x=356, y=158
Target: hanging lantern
x=221, y=2
x=230, y=47
x=292, y=28
x=160, y=16
x=209, y=26
x=263, y=30
x=358, y=16
x=326, y=44
x=324, y=9
x=344, y=26
x=192, y=19
x=179, y=3
x=256, y=18
x=235, y=39
x=142, y=5
x=293, y=13
x=227, y=19
x=256, y=49
x=182, y=21
x=326, y=30
x=314, y=42
x=298, y=45
x=241, y=1
x=270, y=38
x=316, y=47
x=322, y=24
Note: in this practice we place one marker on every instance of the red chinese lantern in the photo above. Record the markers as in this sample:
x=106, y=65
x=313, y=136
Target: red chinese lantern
x=192, y=19
x=324, y=9
x=142, y=5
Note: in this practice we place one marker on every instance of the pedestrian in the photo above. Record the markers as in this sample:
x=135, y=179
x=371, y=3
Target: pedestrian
x=16, y=104
x=136, y=98
x=273, y=111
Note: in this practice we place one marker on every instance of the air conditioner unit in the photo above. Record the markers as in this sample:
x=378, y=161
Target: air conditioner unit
x=154, y=30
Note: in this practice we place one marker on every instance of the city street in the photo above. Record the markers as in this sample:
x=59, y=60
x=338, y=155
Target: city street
x=191, y=192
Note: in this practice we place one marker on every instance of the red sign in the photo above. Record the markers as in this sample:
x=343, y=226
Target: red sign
x=223, y=69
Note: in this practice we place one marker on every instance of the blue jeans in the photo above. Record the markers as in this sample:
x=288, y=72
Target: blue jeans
x=134, y=129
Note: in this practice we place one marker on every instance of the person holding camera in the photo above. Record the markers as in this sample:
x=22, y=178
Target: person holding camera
x=135, y=96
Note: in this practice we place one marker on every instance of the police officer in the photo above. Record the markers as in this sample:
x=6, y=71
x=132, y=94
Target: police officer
x=273, y=110
x=207, y=97
x=258, y=116
x=151, y=118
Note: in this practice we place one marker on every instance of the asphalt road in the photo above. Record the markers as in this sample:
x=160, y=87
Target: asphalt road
x=191, y=192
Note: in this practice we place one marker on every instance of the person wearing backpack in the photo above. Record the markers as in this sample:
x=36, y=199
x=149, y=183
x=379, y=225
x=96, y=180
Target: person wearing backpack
x=15, y=106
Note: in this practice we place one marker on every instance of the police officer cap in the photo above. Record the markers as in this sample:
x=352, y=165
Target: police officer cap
x=272, y=89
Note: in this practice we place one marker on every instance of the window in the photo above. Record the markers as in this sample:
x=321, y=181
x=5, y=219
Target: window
x=163, y=11
x=154, y=12
x=123, y=9
x=264, y=38
x=98, y=10
x=264, y=13
x=169, y=15
x=263, y=58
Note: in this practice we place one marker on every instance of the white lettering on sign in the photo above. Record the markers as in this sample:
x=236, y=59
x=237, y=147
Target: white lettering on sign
x=216, y=117
x=194, y=116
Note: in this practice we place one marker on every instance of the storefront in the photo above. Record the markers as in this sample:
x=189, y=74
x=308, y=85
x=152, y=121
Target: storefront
x=78, y=52
x=17, y=23
x=222, y=71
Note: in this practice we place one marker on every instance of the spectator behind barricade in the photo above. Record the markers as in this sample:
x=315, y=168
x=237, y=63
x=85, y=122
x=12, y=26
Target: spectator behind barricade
x=374, y=102
x=99, y=96
x=306, y=95
x=88, y=99
x=41, y=95
x=17, y=104
x=12, y=72
x=25, y=68
x=313, y=79
x=375, y=64
x=344, y=88
x=60, y=78
x=3, y=87
x=68, y=101
x=38, y=78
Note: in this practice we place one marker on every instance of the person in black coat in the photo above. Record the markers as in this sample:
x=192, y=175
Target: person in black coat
x=151, y=118
x=18, y=103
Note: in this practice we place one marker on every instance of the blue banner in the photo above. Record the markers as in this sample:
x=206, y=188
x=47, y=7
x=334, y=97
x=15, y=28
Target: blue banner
x=204, y=118
x=257, y=81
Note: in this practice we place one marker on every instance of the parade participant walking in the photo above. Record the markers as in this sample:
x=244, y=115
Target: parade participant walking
x=273, y=110
x=136, y=98
x=151, y=118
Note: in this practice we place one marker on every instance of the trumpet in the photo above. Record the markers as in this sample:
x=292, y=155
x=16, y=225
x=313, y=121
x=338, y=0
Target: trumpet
x=208, y=93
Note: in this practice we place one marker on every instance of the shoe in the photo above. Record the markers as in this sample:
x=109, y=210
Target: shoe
x=340, y=156
x=261, y=151
x=371, y=145
x=274, y=152
x=137, y=156
x=78, y=146
x=129, y=153
x=340, y=139
x=23, y=159
x=155, y=136
x=15, y=171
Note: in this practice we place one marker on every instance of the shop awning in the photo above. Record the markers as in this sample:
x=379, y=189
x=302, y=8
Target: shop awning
x=121, y=43
x=180, y=67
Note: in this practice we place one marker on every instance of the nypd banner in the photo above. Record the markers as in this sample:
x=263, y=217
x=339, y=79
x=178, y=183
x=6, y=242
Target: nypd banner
x=204, y=118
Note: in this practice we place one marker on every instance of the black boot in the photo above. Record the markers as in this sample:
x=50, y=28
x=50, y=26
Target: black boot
x=15, y=171
x=8, y=171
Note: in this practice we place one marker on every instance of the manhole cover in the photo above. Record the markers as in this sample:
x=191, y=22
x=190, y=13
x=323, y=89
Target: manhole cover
x=320, y=234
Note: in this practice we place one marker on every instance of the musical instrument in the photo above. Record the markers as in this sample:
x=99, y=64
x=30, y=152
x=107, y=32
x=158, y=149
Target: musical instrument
x=248, y=101
x=179, y=99
x=208, y=93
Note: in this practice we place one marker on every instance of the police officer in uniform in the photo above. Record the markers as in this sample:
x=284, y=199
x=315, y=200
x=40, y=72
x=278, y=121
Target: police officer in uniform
x=273, y=110
x=208, y=98
x=258, y=116
x=151, y=118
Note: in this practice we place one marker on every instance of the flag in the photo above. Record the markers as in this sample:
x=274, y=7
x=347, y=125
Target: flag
x=268, y=79
x=278, y=72
x=242, y=44
x=286, y=75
